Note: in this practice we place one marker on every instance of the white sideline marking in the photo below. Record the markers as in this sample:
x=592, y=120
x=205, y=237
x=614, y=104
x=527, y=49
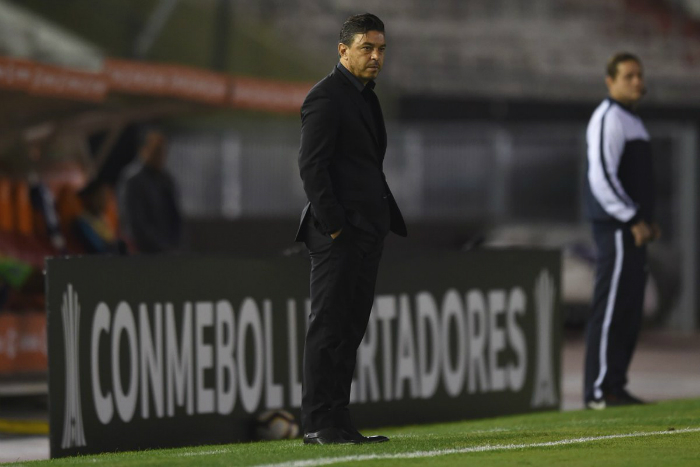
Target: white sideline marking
x=484, y=448
x=211, y=452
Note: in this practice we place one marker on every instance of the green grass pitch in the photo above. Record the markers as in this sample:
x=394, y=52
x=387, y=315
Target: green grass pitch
x=665, y=433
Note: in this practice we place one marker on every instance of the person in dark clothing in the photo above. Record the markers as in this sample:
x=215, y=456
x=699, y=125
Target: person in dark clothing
x=349, y=213
x=620, y=202
x=93, y=232
x=148, y=199
x=42, y=198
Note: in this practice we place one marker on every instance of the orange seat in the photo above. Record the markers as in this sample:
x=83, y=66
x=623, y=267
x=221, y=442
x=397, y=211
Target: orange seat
x=24, y=213
x=7, y=211
x=112, y=211
x=68, y=206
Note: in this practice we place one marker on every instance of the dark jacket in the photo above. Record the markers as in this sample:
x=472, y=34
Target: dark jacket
x=341, y=162
x=151, y=212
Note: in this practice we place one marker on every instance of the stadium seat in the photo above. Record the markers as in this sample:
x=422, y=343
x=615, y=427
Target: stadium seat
x=111, y=211
x=24, y=213
x=68, y=208
x=7, y=223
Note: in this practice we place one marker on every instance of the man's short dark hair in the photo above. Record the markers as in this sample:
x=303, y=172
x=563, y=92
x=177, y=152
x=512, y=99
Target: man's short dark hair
x=618, y=58
x=359, y=24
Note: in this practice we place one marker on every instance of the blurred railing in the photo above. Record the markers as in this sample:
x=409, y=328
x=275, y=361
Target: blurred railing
x=486, y=171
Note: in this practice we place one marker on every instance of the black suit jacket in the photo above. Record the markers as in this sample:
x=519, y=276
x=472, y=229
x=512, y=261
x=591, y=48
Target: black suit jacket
x=341, y=162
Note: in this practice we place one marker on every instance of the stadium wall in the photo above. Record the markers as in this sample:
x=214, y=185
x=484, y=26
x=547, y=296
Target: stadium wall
x=172, y=351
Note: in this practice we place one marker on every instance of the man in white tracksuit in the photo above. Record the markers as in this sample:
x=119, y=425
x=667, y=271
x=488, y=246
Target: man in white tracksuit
x=620, y=201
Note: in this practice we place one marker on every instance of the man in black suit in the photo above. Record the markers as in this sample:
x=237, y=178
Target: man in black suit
x=350, y=211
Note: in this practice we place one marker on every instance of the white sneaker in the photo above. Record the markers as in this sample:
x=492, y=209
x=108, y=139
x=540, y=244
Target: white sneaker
x=596, y=404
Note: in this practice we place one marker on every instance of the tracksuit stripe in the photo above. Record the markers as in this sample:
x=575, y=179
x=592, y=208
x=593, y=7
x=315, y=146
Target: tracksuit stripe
x=612, y=296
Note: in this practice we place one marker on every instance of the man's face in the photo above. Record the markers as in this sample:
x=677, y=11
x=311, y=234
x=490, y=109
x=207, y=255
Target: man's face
x=628, y=86
x=365, y=57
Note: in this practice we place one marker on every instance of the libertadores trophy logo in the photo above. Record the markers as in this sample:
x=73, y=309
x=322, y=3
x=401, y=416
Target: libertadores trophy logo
x=73, y=433
x=544, y=393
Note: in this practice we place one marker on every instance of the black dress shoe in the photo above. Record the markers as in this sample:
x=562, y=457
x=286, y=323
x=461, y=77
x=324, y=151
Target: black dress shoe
x=356, y=436
x=622, y=398
x=330, y=435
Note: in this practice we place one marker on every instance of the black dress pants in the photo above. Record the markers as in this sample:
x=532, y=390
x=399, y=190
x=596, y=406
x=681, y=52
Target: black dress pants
x=343, y=276
x=616, y=317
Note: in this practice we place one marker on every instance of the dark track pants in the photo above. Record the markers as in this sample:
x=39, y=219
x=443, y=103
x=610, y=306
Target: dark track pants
x=616, y=317
x=343, y=276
